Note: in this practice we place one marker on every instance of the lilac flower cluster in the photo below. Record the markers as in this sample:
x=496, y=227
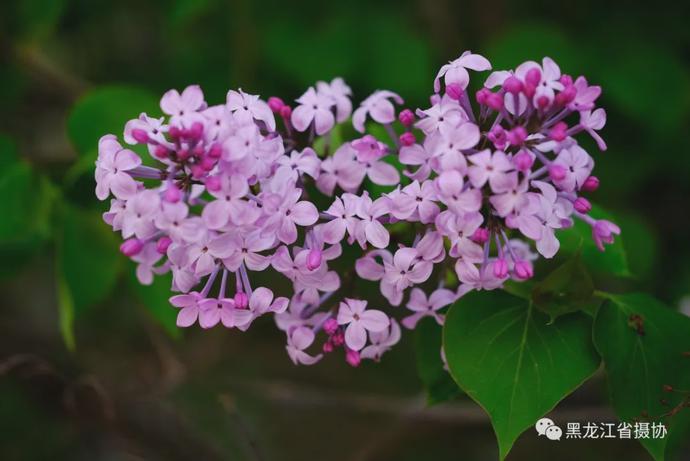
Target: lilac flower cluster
x=486, y=183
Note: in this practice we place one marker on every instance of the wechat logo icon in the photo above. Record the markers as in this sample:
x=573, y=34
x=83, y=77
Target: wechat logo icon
x=546, y=427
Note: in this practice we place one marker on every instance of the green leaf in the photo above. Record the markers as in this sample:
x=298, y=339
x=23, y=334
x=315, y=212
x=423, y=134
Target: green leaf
x=612, y=261
x=568, y=288
x=88, y=257
x=439, y=386
x=646, y=346
x=507, y=357
x=154, y=298
x=105, y=110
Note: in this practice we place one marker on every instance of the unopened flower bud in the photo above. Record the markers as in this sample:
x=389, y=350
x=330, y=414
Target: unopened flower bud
x=591, y=184
x=327, y=347
x=330, y=326
x=276, y=104
x=566, y=96
x=407, y=138
x=198, y=171
x=162, y=244
x=207, y=163
x=454, y=91
x=481, y=235
x=353, y=358
x=523, y=270
x=543, y=102
x=196, y=131
x=582, y=205
x=557, y=172
x=338, y=338
x=512, y=85
x=140, y=136
x=314, y=258
x=533, y=76
x=559, y=132
x=500, y=268
x=286, y=111
x=161, y=152
x=172, y=194
x=216, y=151
x=131, y=247
x=174, y=132
x=406, y=117
x=482, y=96
x=241, y=300
x=523, y=160
x=517, y=136
x=495, y=101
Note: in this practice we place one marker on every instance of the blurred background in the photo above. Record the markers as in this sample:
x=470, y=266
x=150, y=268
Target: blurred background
x=91, y=365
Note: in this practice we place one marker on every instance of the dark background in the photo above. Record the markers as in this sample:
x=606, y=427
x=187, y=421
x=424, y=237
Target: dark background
x=133, y=388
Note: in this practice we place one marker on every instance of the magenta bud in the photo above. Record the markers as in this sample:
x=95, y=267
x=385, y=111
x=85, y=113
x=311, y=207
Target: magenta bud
x=162, y=244
x=481, y=235
x=352, y=358
x=482, y=96
x=183, y=154
x=160, y=152
x=172, y=194
x=557, y=172
x=591, y=184
x=314, y=258
x=533, y=76
x=196, y=130
x=140, y=136
x=241, y=300
x=276, y=104
x=207, y=163
x=330, y=326
x=500, y=268
x=407, y=138
x=212, y=183
x=131, y=247
x=559, y=131
x=495, y=101
x=174, y=132
x=566, y=96
x=582, y=205
x=198, y=171
x=454, y=91
x=512, y=85
x=523, y=270
x=286, y=111
x=216, y=151
x=523, y=161
x=542, y=102
x=566, y=80
x=406, y=117
x=338, y=338
x=517, y=136
x=529, y=90
x=327, y=347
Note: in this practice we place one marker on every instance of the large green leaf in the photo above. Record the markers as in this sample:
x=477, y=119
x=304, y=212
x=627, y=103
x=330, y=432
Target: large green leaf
x=436, y=379
x=154, y=298
x=645, y=346
x=611, y=261
x=508, y=357
x=88, y=264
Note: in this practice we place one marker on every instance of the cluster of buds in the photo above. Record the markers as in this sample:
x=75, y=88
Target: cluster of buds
x=483, y=184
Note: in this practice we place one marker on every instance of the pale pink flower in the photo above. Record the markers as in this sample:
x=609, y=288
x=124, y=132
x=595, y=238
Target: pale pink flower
x=378, y=107
x=456, y=71
x=381, y=342
x=111, y=169
x=427, y=307
x=300, y=339
x=314, y=108
x=248, y=107
x=353, y=313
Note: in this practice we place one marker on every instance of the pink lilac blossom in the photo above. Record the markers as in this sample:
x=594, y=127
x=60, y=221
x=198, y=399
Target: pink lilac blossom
x=473, y=188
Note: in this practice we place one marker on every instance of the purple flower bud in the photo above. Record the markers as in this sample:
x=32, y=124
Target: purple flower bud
x=207, y=163
x=529, y=90
x=183, y=154
x=140, y=136
x=495, y=101
x=543, y=102
x=196, y=131
x=216, y=151
x=131, y=247
x=512, y=85
x=498, y=137
x=241, y=300
x=406, y=117
x=500, y=268
x=213, y=183
x=559, y=131
x=481, y=235
x=407, y=138
x=161, y=152
x=174, y=132
x=454, y=91
x=330, y=326
x=198, y=171
x=482, y=96
x=523, y=161
x=591, y=184
x=314, y=258
x=338, y=338
x=327, y=347
x=557, y=172
x=172, y=194
x=517, y=136
x=523, y=270
x=352, y=358
x=162, y=244
x=533, y=76
x=582, y=205
x=566, y=96
x=566, y=80
x=286, y=112
x=276, y=104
